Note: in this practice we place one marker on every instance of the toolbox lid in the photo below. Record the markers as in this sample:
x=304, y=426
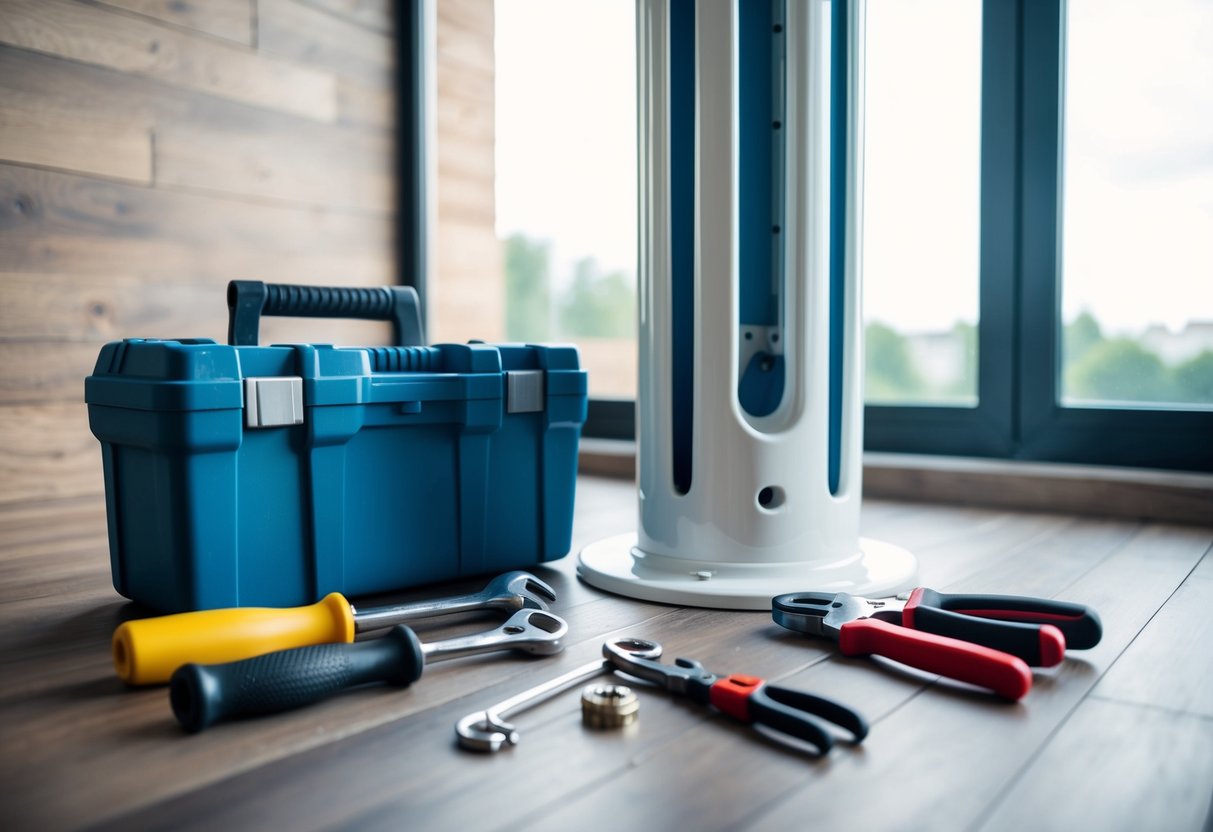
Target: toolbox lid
x=151, y=374
x=200, y=374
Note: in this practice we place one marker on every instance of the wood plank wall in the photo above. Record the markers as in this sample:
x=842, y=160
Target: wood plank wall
x=152, y=150
x=467, y=295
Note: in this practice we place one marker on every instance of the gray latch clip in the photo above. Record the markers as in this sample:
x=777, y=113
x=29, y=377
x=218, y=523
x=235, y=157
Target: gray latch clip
x=273, y=401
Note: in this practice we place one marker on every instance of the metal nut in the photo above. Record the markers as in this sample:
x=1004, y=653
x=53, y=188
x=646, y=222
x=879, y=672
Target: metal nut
x=608, y=706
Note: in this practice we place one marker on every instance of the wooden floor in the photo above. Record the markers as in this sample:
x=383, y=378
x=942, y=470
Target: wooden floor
x=1118, y=737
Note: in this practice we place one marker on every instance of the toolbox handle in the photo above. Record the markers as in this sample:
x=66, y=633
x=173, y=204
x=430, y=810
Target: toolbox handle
x=248, y=300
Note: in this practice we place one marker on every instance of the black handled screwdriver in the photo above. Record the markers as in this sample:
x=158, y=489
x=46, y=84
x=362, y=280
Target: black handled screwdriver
x=202, y=695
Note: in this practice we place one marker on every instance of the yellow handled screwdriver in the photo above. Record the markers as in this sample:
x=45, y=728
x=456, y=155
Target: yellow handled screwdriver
x=146, y=652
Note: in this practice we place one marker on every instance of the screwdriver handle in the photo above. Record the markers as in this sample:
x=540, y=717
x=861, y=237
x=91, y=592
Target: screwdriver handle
x=202, y=695
x=146, y=652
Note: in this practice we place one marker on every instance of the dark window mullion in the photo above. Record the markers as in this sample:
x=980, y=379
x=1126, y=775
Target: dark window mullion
x=412, y=116
x=999, y=273
x=1039, y=219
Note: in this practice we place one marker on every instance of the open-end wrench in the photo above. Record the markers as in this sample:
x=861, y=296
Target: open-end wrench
x=146, y=652
x=488, y=730
x=204, y=694
x=510, y=592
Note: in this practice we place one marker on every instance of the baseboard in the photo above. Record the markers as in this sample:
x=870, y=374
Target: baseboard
x=1030, y=486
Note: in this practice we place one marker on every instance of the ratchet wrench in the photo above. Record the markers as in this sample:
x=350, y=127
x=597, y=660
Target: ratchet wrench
x=147, y=651
x=204, y=694
x=488, y=730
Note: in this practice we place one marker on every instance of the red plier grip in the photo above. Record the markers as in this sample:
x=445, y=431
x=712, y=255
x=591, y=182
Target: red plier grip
x=1006, y=675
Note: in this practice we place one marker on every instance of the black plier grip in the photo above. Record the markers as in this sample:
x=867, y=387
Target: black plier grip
x=747, y=699
x=751, y=700
x=1038, y=630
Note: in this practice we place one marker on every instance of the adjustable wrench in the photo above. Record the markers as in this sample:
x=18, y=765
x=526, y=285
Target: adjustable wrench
x=204, y=694
x=488, y=730
x=146, y=652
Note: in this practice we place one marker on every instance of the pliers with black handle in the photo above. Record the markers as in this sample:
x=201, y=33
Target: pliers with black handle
x=986, y=640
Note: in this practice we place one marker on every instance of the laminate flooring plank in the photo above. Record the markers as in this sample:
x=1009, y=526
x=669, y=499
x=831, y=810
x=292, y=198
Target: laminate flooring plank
x=1158, y=772
x=99, y=36
x=33, y=527
x=747, y=776
x=1154, y=773
x=1049, y=565
x=64, y=568
x=1170, y=664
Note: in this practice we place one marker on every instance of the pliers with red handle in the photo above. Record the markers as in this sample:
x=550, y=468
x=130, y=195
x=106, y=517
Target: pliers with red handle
x=986, y=640
x=745, y=698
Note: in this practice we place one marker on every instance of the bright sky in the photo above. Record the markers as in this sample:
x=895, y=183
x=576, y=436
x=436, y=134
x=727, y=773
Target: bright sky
x=566, y=127
x=922, y=162
x=1138, y=245
x=1139, y=161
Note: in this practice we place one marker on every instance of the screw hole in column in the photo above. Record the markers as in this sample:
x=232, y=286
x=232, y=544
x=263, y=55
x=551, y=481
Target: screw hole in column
x=771, y=497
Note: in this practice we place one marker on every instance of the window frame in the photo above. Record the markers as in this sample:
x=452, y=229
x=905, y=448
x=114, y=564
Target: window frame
x=413, y=114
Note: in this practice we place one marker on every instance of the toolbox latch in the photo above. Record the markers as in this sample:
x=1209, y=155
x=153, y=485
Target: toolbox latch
x=273, y=402
x=524, y=391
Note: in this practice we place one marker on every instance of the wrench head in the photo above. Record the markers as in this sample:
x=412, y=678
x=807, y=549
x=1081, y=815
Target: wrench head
x=819, y=614
x=518, y=591
x=535, y=631
x=639, y=658
x=476, y=733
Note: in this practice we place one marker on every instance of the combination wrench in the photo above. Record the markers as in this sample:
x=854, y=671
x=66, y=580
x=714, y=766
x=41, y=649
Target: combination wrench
x=489, y=730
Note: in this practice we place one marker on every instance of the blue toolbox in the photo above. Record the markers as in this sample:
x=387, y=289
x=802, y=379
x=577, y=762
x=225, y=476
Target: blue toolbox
x=243, y=475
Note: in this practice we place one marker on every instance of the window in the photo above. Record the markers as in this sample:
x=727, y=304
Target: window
x=1039, y=228
x=922, y=175
x=1046, y=216
x=1137, y=221
x=547, y=185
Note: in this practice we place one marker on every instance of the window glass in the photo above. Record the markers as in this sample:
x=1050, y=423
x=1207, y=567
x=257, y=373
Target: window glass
x=921, y=210
x=566, y=179
x=1137, y=217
